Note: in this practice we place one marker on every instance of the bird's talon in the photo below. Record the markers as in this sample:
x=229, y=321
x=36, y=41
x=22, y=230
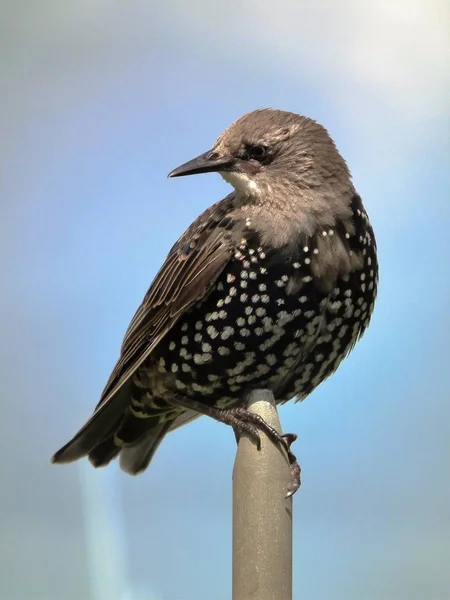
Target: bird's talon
x=295, y=476
x=289, y=439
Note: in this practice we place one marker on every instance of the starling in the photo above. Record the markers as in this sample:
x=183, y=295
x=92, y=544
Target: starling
x=269, y=288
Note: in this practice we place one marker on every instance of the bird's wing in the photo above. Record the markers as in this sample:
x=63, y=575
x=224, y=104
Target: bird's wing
x=188, y=274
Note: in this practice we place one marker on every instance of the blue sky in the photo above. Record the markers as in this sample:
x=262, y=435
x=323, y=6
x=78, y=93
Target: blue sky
x=100, y=101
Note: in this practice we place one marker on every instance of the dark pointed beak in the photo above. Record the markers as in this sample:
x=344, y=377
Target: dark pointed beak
x=205, y=163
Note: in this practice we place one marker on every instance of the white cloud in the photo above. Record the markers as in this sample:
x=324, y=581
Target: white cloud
x=359, y=52
x=397, y=53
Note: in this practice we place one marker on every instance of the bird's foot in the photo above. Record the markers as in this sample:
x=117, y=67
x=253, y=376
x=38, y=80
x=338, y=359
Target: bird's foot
x=285, y=440
x=244, y=421
x=288, y=439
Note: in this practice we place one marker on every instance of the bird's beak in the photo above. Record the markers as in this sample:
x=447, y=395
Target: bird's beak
x=208, y=162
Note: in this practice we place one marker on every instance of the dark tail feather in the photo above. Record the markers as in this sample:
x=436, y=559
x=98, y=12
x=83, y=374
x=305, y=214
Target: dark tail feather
x=102, y=455
x=135, y=438
x=112, y=430
x=101, y=425
x=135, y=458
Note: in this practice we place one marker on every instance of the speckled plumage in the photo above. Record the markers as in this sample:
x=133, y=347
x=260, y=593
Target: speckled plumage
x=269, y=288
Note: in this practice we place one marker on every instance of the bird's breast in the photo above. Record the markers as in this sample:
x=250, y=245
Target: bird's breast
x=272, y=319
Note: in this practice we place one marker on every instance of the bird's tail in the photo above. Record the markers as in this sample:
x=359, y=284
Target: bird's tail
x=114, y=429
x=135, y=441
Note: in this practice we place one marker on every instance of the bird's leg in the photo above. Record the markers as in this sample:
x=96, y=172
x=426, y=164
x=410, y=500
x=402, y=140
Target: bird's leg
x=244, y=421
x=223, y=415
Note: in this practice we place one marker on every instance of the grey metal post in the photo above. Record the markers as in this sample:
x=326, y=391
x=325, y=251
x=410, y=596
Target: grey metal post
x=262, y=517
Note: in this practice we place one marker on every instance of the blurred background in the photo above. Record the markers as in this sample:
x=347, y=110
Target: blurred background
x=99, y=101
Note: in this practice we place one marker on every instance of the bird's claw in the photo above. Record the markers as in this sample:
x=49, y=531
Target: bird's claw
x=295, y=476
x=244, y=421
x=288, y=440
x=249, y=422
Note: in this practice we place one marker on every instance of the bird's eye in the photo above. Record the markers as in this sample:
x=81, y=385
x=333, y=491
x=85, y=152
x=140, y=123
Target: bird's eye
x=257, y=152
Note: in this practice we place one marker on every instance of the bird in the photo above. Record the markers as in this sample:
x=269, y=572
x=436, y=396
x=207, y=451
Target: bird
x=269, y=288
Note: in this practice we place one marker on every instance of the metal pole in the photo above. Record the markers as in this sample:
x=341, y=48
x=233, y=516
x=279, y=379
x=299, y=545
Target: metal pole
x=262, y=517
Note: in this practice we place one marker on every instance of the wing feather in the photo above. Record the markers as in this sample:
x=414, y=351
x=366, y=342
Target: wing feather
x=187, y=275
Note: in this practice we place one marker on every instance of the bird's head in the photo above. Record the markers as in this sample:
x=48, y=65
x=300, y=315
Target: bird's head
x=270, y=150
